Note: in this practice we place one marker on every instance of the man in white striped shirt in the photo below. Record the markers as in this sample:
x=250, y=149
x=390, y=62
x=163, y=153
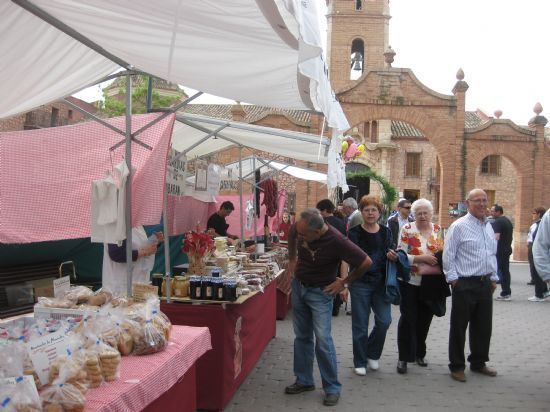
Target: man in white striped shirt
x=470, y=265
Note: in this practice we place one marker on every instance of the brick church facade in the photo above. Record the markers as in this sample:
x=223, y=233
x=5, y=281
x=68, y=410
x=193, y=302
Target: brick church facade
x=424, y=142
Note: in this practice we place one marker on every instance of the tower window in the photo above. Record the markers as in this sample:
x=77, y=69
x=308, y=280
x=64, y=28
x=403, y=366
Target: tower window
x=491, y=165
x=412, y=168
x=358, y=5
x=357, y=59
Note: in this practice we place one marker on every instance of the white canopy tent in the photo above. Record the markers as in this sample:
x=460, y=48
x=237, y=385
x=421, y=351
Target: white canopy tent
x=265, y=52
x=196, y=136
x=265, y=166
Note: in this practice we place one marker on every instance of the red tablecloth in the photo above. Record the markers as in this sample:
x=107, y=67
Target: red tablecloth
x=146, y=380
x=239, y=335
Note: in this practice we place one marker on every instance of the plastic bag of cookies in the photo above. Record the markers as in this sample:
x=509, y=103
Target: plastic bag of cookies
x=151, y=339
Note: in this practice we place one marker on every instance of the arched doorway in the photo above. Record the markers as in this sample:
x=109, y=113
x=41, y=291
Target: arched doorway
x=359, y=186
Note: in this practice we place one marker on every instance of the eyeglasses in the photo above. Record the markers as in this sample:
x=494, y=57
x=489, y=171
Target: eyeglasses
x=478, y=201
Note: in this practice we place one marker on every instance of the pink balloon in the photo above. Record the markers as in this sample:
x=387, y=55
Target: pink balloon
x=352, y=150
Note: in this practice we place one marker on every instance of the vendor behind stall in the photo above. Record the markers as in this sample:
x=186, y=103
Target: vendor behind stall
x=143, y=258
x=216, y=225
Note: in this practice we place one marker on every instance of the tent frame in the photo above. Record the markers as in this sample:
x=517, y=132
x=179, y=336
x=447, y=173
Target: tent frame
x=128, y=135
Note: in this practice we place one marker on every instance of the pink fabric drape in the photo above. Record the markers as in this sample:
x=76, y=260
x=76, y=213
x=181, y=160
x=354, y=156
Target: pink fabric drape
x=185, y=213
x=234, y=220
x=46, y=177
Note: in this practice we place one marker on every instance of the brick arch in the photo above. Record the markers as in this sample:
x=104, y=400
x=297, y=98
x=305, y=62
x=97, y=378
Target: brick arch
x=477, y=150
x=419, y=118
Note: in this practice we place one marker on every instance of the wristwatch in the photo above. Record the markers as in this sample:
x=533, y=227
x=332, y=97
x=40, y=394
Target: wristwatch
x=346, y=284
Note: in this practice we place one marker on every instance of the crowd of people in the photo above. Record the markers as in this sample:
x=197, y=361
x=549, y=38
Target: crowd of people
x=406, y=262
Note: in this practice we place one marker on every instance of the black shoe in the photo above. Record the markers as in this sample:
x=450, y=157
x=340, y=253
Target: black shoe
x=401, y=367
x=531, y=283
x=348, y=312
x=421, y=362
x=331, y=399
x=297, y=388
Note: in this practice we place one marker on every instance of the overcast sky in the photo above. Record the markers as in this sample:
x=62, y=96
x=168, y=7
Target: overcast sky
x=502, y=46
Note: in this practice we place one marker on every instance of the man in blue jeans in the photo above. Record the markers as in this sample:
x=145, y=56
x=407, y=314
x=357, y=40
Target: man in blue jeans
x=315, y=252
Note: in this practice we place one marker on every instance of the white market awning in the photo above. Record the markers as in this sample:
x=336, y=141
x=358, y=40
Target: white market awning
x=264, y=52
x=265, y=166
x=198, y=136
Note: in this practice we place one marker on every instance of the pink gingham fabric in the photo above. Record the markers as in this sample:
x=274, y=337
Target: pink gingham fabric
x=154, y=373
x=46, y=177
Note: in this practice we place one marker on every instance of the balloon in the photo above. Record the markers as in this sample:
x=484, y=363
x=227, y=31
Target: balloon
x=352, y=150
x=361, y=148
x=345, y=146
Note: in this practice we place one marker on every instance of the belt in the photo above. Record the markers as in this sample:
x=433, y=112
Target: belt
x=481, y=278
x=313, y=285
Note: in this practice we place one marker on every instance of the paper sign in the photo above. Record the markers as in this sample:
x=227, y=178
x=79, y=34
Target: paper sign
x=26, y=384
x=44, y=350
x=141, y=291
x=61, y=285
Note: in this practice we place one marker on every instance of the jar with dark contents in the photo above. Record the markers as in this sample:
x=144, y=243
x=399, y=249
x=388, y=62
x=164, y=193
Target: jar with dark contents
x=230, y=290
x=207, y=289
x=218, y=288
x=195, y=287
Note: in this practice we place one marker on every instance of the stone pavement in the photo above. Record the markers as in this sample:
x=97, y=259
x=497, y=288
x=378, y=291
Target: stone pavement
x=520, y=351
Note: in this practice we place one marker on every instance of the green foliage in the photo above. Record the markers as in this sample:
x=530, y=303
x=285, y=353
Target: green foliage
x=389, y=194
x=115, y=106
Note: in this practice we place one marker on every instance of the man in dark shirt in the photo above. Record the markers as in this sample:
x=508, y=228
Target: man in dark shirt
x=503, y=229
x=314, y=257
x=216, y=225
x=326, y=207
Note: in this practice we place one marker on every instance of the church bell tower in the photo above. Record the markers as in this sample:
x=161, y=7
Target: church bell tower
x=357, y=38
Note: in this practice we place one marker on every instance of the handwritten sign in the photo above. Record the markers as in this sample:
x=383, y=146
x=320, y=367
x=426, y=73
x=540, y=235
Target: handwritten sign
x=61, y=285
x=25, y=384
x=44, y=350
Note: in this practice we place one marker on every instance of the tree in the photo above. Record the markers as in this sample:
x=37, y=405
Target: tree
x=116, y=105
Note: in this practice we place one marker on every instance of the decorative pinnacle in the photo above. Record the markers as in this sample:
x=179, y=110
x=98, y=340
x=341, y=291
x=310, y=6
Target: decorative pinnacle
x=537, y=109
x=460, y=74
x=498, y=113
x=389, y=54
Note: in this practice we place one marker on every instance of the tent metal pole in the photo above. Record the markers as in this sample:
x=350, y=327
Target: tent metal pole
x=167, y=266
x=166, y=113
x=323, y=141
x=241, y=193
x=128, y=205
x=256, y=212
x=92, y=116
x=206, y=130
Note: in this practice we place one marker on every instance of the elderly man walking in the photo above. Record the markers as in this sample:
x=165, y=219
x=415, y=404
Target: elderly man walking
x=541, y=248
x=470, y=265
x=315, y=254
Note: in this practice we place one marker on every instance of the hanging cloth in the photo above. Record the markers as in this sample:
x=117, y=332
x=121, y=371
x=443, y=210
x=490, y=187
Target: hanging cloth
x=249, y=214
x=108, y=206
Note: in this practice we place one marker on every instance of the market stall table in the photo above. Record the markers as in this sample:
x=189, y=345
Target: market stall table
x=240, y=332
x=162, y=381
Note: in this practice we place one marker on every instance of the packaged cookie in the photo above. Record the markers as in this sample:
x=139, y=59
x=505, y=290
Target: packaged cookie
x=150, y=339
x=62, y=397
x=17, y=390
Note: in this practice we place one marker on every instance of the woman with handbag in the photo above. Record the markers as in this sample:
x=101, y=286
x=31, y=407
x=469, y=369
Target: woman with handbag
x=368, y=292
x=420, y=240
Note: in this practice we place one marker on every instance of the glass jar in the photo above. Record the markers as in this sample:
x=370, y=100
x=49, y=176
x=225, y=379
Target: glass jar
x=207, y=288
x=218, y=289
x=195, y=287
x=181, y=286
x=164, y=287
x=230, y=290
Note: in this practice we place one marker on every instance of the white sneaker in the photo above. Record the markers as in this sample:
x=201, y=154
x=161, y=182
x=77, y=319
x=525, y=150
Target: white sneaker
x=506, y=298
x=373, y=364
x=360, y=371
x=535, y=299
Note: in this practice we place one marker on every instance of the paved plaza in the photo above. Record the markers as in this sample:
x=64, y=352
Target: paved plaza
x=520, y=351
